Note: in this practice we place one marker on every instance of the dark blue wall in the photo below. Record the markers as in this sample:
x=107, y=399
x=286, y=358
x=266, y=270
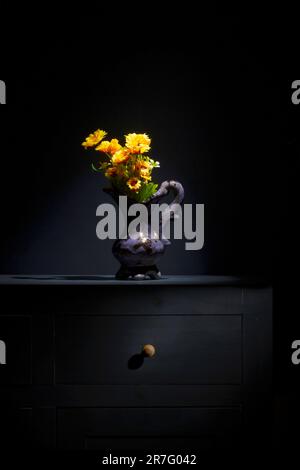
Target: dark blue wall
x=205, y=96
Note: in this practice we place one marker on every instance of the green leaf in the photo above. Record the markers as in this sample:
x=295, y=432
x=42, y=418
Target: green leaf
x=147, y=190
x=104, y=165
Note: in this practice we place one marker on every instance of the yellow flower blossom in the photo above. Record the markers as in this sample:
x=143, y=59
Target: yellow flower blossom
x=109, y=147
x=143, y=164
x=121, y=156
x=145, y=174
x=111, y=171
x=104, y=146
x=134, y=184
x=94, y=139
x=138, y=143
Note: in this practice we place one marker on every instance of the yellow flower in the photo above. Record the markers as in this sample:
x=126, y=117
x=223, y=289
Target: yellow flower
x=121, y=156
x=94, y=139
x=134, y=184
x=111, y=171
x=138, y=143
x=145, y=174
x=104, y=146
x=109, y=147
x=143, y=164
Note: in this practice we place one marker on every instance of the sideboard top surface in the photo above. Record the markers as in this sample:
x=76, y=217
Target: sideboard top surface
x=101, y=280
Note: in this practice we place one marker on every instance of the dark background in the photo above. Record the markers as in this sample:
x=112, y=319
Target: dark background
x=206, y=98
x=210, y=92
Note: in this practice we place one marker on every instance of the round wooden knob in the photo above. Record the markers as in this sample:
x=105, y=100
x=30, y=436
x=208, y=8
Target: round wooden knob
x=149, y=350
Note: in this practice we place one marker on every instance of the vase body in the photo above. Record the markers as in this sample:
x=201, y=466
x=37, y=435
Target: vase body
x=138, y=255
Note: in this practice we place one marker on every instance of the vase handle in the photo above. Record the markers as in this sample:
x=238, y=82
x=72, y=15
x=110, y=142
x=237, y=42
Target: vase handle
x=164, y=190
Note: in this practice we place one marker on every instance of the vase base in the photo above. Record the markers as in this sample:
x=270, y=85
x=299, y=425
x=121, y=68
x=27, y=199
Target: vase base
x=138, y=273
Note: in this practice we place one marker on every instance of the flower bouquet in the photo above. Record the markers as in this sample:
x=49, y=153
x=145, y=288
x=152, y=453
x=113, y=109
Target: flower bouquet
x=129, y=169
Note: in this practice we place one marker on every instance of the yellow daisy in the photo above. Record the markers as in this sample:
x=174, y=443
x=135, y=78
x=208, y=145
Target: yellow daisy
x=94, y=138
x=143, y=164
x=111, y=171
x=138, y=143
x=109, y=147
x=121, y=156
x=134, y=184
x=145, y=174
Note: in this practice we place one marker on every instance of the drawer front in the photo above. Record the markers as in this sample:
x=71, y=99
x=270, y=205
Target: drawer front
x=190, y=349
x=15, y=349
x=147, y=428
x=16, y=429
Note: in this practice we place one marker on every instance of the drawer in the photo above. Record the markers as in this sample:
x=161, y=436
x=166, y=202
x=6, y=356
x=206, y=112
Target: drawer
x=147, y=428
x=16, y=429
x=15, y=334
x=190, y=349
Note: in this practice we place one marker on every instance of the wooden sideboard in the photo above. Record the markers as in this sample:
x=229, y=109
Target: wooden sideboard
x=76, y=377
